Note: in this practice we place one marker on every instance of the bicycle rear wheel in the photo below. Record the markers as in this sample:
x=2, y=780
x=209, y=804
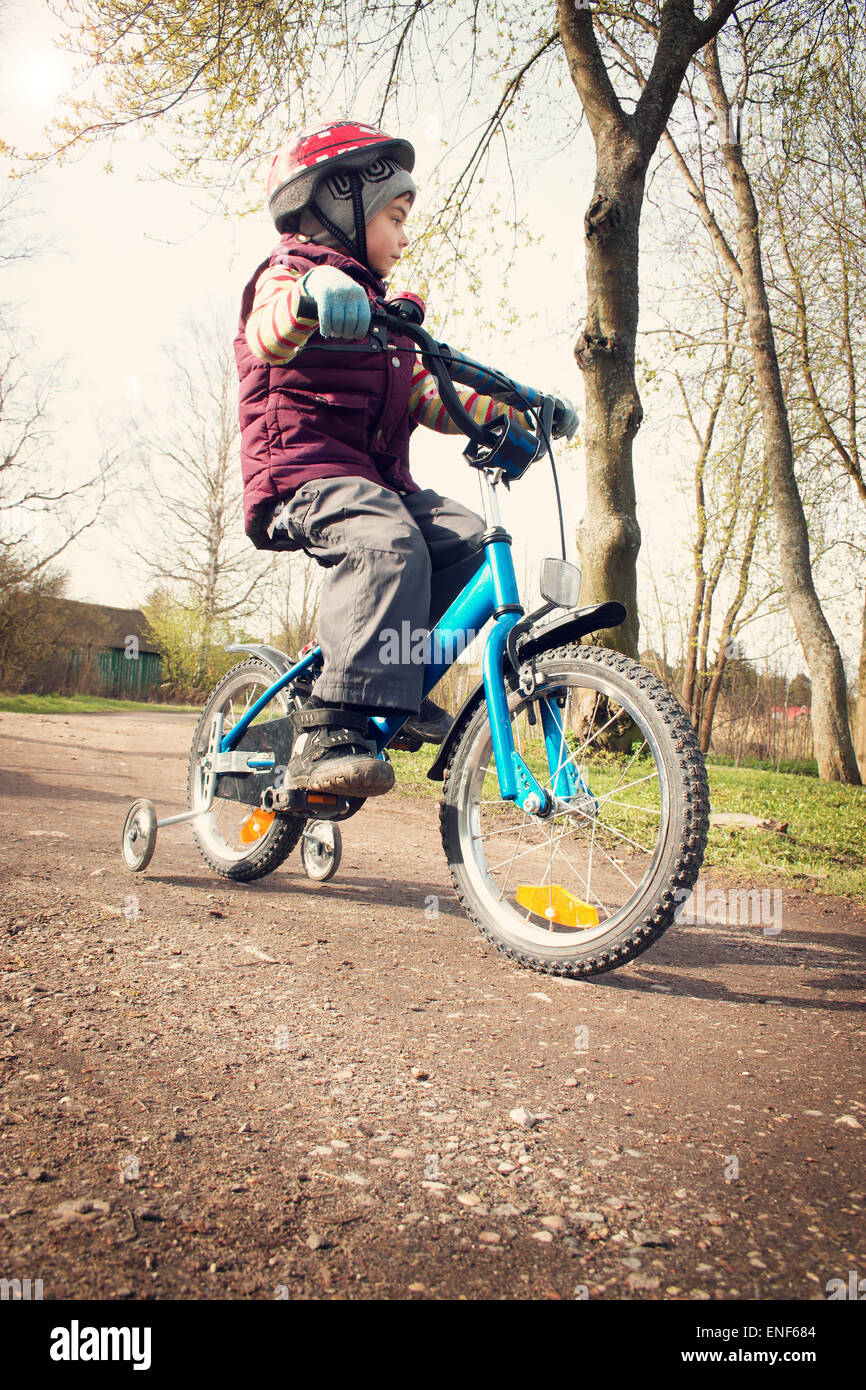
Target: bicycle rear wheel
x=594, y=884
x=236, y=840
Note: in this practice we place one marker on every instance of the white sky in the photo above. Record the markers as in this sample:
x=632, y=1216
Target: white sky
x=131, y=259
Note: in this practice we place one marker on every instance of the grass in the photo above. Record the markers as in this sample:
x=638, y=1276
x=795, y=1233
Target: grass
x=85, y=704
x=824, y=850
x=824, y=847
x=807, y=766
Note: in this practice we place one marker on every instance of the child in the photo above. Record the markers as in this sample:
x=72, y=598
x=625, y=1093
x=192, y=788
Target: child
x=325, y=445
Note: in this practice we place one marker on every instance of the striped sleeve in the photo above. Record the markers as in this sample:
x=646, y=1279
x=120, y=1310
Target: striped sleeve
x=275, y=330
x=427, y=407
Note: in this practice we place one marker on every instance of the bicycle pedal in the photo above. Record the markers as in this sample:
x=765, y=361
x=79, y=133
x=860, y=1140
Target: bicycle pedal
x=315, y=805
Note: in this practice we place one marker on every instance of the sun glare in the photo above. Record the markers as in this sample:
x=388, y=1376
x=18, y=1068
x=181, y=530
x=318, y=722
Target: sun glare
x=38, y=77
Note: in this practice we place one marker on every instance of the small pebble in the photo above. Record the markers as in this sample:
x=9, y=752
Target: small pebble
x=521, y=1116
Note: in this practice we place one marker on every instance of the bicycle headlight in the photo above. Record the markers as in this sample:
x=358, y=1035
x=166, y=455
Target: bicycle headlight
x=510, y=447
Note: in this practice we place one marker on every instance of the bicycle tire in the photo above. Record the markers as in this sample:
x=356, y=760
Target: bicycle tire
x=673, y=863
x=276, y=844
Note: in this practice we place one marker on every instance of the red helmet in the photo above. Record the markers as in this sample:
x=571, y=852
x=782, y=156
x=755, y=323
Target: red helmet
x=299, y=164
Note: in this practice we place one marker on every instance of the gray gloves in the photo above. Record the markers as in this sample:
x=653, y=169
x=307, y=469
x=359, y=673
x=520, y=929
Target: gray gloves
x=343, y=306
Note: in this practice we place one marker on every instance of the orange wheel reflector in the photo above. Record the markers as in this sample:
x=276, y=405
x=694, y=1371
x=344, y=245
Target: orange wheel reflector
x=557, y=905
x=255, y=826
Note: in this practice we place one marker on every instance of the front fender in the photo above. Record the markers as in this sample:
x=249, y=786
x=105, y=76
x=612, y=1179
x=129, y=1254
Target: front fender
x=570, y=627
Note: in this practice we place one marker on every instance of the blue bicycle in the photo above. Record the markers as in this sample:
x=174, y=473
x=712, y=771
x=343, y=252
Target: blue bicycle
x=575, y=807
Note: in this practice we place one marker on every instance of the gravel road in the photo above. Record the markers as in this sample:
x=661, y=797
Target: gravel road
x=210, y=1090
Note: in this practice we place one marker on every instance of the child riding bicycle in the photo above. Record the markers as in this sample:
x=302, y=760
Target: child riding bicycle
x=325, y=430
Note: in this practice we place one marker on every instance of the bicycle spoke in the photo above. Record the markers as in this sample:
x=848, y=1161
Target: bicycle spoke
x=584, y=882
x=557, y=836
x=583, y=887
x=612, y=830
x=615, y=786
x=511, y=865
x=531, y=849
x=505, y=829
x=618, y=867
x=645, y=810
x=650, y=777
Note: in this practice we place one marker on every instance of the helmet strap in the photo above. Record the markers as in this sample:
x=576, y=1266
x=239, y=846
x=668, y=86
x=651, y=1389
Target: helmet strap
x=357, y=248
x=332, y=227
x=360, y=220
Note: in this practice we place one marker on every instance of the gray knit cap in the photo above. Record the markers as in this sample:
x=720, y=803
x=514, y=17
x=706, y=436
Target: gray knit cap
x=381, y=182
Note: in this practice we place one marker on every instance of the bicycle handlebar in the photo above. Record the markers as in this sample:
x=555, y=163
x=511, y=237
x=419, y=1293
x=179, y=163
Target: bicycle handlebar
x=437, y=358
x=495, y=445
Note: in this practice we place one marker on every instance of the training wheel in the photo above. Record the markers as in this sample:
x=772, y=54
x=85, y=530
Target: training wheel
x=138, y=840
x=321, y=849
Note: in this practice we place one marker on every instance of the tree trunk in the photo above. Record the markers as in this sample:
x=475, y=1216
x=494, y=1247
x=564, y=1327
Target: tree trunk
x=609, y=535
x=860, y=706
x=690, y=672
x=689, y=696
x=708, y=710
x=833, y=744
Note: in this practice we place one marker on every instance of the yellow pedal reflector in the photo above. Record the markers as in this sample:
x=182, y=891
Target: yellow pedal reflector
x=557, y=905
x=255, y=826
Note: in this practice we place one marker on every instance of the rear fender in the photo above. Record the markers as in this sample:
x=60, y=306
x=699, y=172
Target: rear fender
x=271, y=655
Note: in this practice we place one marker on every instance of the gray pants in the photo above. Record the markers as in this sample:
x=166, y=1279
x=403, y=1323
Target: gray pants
x=390, y=559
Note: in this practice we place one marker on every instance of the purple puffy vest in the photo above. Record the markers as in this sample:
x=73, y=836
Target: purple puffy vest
x=325, y=414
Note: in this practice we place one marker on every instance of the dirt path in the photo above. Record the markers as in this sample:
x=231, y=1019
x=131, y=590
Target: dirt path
x=215, y=1090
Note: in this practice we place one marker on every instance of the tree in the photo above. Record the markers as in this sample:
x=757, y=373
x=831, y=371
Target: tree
x=815, y=194
x=295, y=585
x=227, y=77
x=38, y=520
x=766, y=38
x=729, y=484
x=41, y=515
x=833, y=744
x=625, y=142
x=27, y=619
x=195, y=548
x=189, y=668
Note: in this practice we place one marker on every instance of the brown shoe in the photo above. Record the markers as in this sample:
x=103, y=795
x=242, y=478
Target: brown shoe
x=332, y=753
x=430, y=724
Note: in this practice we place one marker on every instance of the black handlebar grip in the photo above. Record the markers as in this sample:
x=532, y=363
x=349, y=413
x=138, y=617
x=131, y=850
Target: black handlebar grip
x=307, y=307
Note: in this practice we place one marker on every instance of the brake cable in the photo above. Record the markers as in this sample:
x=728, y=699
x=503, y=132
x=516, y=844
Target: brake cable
x=528, y=409
x=452, y=402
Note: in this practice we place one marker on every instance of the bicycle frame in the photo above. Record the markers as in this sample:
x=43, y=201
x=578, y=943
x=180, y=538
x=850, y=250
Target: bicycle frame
x=491, y=593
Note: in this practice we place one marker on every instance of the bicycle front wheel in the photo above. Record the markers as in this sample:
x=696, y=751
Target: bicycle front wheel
x=592, y=885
